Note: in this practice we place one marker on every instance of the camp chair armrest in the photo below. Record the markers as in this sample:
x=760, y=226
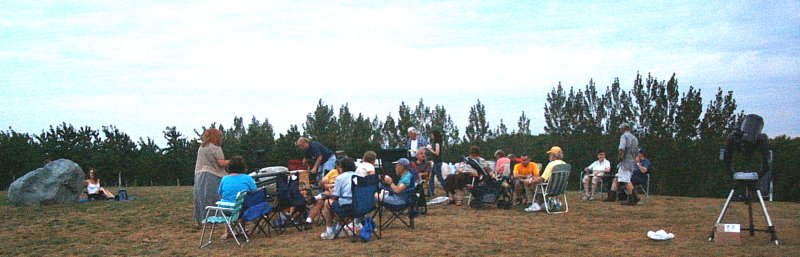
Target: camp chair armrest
x=218, y=208
x=225, y=204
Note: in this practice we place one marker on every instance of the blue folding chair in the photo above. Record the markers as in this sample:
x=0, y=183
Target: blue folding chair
x=405, y=213
x=363, y=190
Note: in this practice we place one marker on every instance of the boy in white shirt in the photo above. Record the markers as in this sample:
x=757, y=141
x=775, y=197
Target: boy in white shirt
x=595, y=172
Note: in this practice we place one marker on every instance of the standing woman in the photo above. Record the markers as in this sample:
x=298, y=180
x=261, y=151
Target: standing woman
x=437, y=150
x=208, y=171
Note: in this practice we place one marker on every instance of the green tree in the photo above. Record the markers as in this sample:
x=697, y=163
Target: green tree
x=478, y=128
x=322, y=125
x=719, y=119
x=19, y=154
x=524, y=124
x=553, y=111
x=687, y=119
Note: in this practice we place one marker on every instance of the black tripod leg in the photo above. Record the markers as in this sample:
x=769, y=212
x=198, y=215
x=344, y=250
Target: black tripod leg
x=771, y=228
x=721, y=214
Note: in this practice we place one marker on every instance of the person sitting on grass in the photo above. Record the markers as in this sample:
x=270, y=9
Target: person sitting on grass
x=555, y=155
x=236, y=181
x=93, y=189
x=340, y=200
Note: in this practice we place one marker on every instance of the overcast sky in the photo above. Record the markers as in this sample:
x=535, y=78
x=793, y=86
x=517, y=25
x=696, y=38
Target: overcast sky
x=143, y=66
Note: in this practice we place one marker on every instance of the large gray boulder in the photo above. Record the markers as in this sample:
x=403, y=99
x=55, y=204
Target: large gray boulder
x=59, y=181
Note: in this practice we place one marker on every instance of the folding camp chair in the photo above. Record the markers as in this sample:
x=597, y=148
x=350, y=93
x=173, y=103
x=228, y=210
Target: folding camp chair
x=644, y=186
x=398, y=212
x=363, y=190
x=257, y=208
x=289, y=197
x=227, y=213
x=555, y=186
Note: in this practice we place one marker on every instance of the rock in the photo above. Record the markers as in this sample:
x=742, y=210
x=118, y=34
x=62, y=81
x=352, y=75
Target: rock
x=59, y=181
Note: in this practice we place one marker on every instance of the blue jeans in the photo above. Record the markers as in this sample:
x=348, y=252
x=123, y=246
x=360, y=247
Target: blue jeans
x=325, y=167
x=437, y=173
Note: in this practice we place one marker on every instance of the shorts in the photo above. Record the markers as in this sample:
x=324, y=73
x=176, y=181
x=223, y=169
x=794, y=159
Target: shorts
x=341, y=210
x=394, y=199
x=624, y=176
x=595, y=179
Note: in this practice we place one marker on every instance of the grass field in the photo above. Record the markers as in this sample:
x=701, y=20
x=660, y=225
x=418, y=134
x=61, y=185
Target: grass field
x=159, y=222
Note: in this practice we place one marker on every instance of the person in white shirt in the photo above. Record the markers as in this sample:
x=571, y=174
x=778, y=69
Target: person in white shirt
x=595, y=172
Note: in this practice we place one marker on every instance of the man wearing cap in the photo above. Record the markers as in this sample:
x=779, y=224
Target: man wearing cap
x=628, y=148
x=398, y=193
x=641, y=169
x=415, y=141
x=555, y=155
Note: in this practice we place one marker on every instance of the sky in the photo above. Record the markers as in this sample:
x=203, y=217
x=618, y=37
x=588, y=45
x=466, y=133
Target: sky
x=145, y=65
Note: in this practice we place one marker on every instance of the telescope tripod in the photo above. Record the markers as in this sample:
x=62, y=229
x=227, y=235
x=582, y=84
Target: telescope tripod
x=749, y=187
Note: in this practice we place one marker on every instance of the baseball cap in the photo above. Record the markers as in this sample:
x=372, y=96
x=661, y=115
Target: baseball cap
x=555, y=149
x=412, y=129
x=404, y=162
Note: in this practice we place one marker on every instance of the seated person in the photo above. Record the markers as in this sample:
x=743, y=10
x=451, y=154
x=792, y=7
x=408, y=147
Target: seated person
x=524, y=172
x=236, y=181
x=455, y=183
x=326, y=184
x=367, y=165
x=340, y=200
x=93, y=189
x=595, y=172
x=502, y=161
x=422, y=165
x=396, y=193
x=638, y=176
x=555, y=155
x=641, y=169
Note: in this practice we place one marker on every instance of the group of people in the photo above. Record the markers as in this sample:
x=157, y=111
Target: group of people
x=632, y=170
x=219, y=179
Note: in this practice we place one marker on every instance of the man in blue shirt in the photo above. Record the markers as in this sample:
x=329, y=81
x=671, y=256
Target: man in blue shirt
x=341, y=198
x=641, y=169
x=322, y=157
x=415, y=142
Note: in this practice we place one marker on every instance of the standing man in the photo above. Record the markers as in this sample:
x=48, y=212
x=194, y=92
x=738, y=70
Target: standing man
x=628, y=149
x=315, y=152
x=415, y=142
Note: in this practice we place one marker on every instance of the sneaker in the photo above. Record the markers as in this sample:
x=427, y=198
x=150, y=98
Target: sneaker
x=628, y=203
x=533, y=208
x=327, y=235
x=591, y=198
x=585, y=197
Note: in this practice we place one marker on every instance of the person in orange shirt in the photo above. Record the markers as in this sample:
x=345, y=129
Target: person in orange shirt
x=524, y=173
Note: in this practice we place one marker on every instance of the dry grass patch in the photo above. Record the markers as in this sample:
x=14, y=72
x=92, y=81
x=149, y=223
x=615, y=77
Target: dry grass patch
x=159, y=222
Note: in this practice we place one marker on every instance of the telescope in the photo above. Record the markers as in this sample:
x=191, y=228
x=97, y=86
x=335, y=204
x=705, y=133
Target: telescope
x=750, y=142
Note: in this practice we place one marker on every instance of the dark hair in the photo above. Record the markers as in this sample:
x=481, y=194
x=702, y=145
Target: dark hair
x=237, y=165
x=474, y=149
x=348, y=164
x=600, y=151
x=436, y=136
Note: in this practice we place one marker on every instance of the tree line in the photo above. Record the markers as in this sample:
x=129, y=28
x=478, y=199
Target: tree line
x=681, y=137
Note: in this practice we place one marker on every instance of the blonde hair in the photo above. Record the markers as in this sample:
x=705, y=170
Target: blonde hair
x=369, y=157
x=212, y=135
x=302, y=139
